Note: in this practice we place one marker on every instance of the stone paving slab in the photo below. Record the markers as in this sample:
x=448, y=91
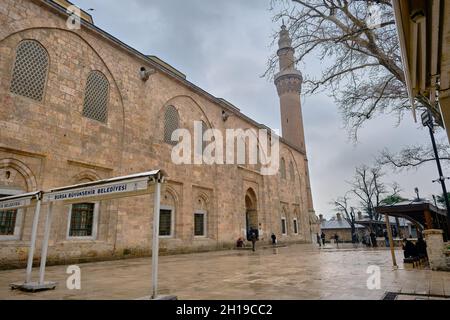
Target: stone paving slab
x=295, y=272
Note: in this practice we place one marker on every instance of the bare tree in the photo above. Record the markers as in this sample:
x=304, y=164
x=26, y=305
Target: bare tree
x=369, y=189
x=341, y=205
x=411, y=157
x=365, y=76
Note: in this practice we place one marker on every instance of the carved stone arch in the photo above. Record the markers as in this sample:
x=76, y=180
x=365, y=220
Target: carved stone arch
x=255, y=133
x=300, y=179
x=202, y=201
x=23, y=170
x=178, y=102
x=285, y=211
x=251, y=210
x=295, y=212
x=18, y=28
x=251, y=200
x=207, y=121
x=15, y=27
x=173, y=102
x=170, y=197
x=89, y=175
x=261, y=150
x=110, y=73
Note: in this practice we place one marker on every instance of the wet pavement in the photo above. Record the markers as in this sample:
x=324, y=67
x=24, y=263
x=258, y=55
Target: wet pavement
x=293, y=272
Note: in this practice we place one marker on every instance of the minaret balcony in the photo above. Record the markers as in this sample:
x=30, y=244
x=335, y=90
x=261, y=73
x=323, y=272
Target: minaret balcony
x=288, y=81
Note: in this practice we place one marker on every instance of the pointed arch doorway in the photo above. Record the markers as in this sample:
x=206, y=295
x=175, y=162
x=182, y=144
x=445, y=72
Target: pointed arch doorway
x=251, y=211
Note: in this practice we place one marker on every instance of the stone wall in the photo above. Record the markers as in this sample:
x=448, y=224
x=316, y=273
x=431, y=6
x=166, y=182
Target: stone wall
x=345, y=235
x=437, y=250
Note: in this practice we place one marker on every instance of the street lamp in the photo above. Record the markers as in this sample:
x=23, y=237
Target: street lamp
x=427, y=121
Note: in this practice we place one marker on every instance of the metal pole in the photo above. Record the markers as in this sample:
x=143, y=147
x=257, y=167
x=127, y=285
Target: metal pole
x=441, y=177
x=48, y=223
x=391, y=241
x=155, y=242
x=33, y=240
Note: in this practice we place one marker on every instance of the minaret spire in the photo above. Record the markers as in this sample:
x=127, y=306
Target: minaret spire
x=289, y=83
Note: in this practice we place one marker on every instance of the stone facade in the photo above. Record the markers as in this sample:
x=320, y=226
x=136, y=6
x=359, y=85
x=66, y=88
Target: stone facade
x=437, y=250
x=49, y=143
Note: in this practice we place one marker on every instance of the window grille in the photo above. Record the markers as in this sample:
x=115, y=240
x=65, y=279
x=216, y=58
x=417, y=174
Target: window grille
x=165, y=223
x=199, y=224
x=171, y=123
x=30, y=70
x=7, y=222
x=82, y=220
x=283, y=226
x=96, y=97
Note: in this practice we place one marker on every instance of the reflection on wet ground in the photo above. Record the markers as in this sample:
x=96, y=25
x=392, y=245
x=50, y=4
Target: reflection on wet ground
x=293, y=272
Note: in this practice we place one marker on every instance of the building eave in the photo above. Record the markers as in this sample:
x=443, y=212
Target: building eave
x=403, y=35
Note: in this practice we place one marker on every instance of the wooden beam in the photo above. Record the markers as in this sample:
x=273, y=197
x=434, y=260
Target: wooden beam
x=391, y=240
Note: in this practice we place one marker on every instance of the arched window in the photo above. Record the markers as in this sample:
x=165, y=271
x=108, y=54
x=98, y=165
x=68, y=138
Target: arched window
x=296, y=223
x=167, y=214
x=200, y=218
x=96, y=97
x=171, y=123
x=30, y=70
x=283, y=168
x=291, y=171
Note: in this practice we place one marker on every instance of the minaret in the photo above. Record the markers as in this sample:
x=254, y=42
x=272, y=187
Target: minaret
x=289, y=85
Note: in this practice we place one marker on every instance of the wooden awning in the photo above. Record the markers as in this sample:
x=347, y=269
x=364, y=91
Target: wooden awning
x=421, y=212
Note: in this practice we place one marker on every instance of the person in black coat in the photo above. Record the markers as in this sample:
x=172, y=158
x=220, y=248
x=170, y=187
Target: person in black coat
x=373, y=239
x=409, y=249
x=253, y=238
x=421, y=247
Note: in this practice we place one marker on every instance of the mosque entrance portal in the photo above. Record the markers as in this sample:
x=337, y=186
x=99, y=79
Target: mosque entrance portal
x=251, y=213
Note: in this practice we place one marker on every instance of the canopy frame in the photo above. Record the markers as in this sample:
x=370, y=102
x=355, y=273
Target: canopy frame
x=120, y=187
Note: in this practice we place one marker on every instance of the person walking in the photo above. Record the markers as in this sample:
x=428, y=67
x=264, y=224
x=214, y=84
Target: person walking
x=319, y=240
x=322, y=236
x=386, y=238
x=421, y=247
x=409, y=249
x=274, y=239
x=336, y=239
x=373, y=239
x=253, y=238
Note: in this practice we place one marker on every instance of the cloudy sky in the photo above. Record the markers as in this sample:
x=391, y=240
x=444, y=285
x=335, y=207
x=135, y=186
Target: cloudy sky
x=223, y=47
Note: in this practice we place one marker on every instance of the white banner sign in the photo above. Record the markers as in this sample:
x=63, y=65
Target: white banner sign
x=102, y=191
x=14, y=204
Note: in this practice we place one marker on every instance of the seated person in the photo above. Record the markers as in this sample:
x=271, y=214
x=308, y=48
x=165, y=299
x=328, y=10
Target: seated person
x=240, y=243
x=409, y=249
x=421, y=247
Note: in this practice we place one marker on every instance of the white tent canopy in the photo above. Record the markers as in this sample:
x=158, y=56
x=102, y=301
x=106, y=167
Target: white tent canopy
x=126, y=186
x=19, y=201
x=119, y=187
